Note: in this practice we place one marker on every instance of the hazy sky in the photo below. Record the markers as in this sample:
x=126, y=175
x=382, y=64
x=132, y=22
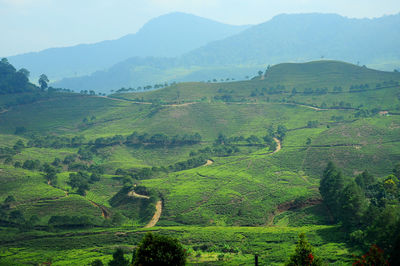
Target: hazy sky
x=33, y=25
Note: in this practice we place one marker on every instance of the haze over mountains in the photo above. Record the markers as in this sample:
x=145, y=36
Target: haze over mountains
x=212, y=50
x=166, y=36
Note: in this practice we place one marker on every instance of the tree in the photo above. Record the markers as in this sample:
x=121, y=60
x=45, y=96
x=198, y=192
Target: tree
x=50, y=173
x=352, y=205
x=365, y=179
x=9, y=201
x=5, y=61
x=331, y=184
x=281, y=132
x=118, y=259
x=159, y=250
x=303, y=254
x=17, y=217
x=43, y=80
x=79, y=181
x=396, y=170
x=24, y=72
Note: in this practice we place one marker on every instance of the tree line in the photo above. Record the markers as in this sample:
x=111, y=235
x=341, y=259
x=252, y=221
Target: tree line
x=368, y=208
x=158, y=139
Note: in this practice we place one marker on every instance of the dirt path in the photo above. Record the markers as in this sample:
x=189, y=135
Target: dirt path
x=104, y=212
x=278, y=145
x=209, y=162
x=180, y=104
x=320, y=109
x=156, y=215
x=5, y=110
x=135, y=195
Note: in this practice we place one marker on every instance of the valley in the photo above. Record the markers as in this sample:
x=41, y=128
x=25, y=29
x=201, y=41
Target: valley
x=232, y=169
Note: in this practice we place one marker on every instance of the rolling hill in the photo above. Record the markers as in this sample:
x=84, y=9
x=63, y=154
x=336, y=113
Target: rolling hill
x=157, y=38
x=285, y=38
x=230, y=192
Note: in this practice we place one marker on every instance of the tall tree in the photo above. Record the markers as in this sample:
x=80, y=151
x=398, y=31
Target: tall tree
x=303, y=254
x=365, y=179
x=43, y=80
x=352, y=205
x=331, y=184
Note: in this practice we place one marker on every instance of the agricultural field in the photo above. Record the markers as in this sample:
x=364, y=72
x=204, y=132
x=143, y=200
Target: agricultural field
x=231, y=169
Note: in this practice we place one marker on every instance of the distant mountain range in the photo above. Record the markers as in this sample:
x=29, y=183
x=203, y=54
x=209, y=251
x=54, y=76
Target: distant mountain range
x=239, y=51
x=166, y=36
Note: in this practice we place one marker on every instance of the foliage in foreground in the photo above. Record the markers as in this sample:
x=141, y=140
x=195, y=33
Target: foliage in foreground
x=160, y=250
x=303, y=254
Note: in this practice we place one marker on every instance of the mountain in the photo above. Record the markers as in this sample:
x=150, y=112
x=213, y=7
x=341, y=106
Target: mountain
x=290, y=38
x=302, y=37
x=165, y=36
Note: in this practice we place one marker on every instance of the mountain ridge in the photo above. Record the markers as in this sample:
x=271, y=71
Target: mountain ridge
x=285, y=38
x=85, y=59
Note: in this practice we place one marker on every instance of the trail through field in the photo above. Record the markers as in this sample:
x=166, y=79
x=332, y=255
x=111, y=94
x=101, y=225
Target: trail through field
x=156, y=215
x=320, y=109
x=180, y=104
x=104, y=212
x=209, y=162
x=278, y=145
x=147, y=103
x=135, y=195
x=4, y=111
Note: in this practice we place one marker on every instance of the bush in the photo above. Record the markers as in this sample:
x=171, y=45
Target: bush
x=159, y=250
x=303, y=254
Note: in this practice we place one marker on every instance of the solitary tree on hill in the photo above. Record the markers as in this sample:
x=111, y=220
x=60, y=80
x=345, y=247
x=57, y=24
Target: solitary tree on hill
x=43, y=80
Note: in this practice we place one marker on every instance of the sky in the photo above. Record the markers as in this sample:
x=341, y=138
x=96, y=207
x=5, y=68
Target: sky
x=34, y=25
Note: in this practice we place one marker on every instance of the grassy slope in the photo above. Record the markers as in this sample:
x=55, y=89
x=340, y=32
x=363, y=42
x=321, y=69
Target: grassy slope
x=236, y=245
x=246, y=189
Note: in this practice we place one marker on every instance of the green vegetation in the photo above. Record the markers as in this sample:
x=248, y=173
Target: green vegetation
x=159, y=250
x=13, y=81
x=230, y=169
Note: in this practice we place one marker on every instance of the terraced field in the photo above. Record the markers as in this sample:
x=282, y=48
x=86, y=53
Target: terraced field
x=249, y=185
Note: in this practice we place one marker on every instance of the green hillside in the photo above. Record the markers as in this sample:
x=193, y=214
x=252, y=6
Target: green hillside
x=243, y=160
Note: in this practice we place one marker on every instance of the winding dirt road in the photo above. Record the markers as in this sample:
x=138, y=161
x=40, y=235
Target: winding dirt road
x=278, y=145
x=156, y=215
x=135, y=195
x=158, y=212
